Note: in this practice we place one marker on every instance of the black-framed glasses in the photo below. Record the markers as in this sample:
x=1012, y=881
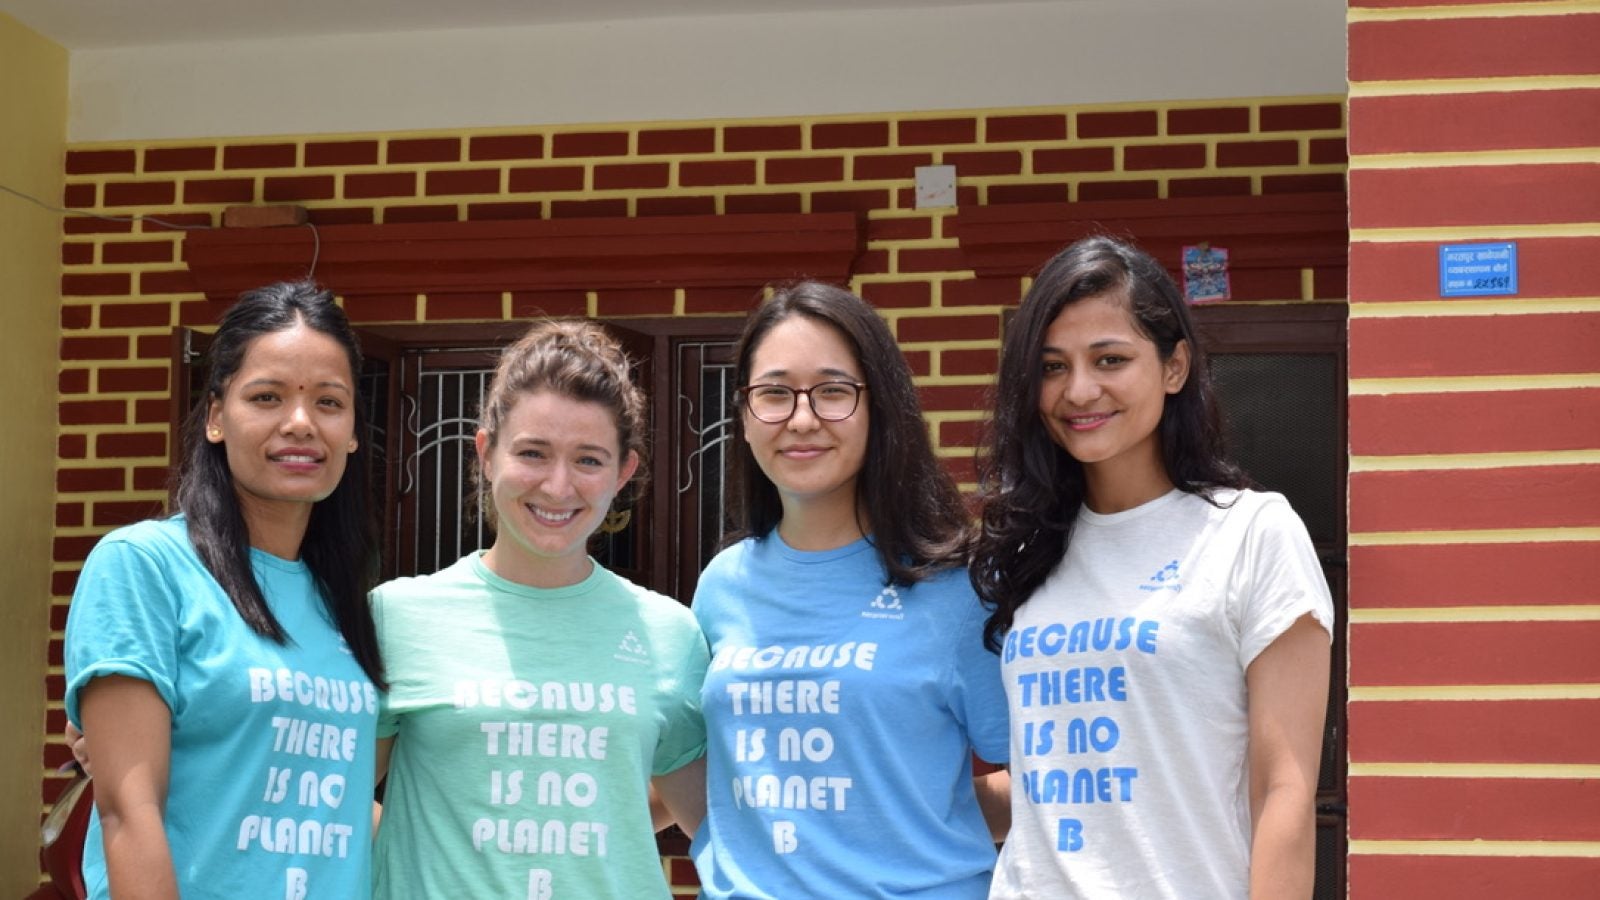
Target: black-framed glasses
x=831, y=401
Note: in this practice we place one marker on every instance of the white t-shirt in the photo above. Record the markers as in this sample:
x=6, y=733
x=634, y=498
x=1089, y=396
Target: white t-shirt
x=1125, y=675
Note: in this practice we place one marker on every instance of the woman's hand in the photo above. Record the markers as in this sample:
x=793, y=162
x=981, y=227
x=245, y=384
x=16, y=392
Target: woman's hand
x=79, y=747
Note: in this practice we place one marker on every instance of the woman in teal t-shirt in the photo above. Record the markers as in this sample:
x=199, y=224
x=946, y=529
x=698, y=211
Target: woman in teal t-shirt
x=535, y=696
x=224, y=660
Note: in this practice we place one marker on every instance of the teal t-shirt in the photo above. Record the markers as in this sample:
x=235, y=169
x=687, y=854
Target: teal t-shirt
x=528, y=723
x=843, y=714
x=270, y=788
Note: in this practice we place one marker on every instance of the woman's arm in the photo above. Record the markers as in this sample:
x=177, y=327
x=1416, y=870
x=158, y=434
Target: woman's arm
x=1287, y=684
x=679, y=796
x=132, y=730
x=994, y=798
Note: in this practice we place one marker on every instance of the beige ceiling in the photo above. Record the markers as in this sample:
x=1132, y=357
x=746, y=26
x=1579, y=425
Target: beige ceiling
x=85, y=24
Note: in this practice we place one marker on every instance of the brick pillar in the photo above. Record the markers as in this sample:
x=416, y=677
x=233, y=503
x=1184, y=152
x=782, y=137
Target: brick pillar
x=1475, y=453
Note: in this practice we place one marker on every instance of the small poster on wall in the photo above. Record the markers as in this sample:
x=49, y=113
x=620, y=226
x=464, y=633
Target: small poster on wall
x=1205, y=273
x=1478, y=270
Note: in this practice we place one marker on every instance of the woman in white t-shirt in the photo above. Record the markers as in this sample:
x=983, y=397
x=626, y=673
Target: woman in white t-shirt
x=1164, y=630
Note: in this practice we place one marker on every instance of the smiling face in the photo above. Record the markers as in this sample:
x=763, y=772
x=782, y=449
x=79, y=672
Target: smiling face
x=1102, y=388
x=810, y=461
x=287, y=422
x=553, y=470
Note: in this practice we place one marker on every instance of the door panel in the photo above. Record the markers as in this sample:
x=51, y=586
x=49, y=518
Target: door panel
x=1279, y=372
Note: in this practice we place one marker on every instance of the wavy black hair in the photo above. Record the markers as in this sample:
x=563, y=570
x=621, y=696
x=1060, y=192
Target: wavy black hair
x=340, y=546
x=912, y=511
x=1031, y=488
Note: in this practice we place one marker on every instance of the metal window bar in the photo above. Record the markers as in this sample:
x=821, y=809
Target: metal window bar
x=450, y=519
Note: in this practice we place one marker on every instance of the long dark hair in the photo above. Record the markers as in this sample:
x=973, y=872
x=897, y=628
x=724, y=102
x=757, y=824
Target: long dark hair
x=1031, y=488
x=913, y=512
x=340, y=546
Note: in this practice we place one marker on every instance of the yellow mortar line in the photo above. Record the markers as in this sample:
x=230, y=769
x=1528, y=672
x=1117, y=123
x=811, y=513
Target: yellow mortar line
x=927, y=243
x=1561, y=156
x=955, y=415
x=1475, y=11
x=1489, y=692
x=1506, y=84
x=1466, y=383
x=952, y=380
x=1446, y=461
x=1448, y=614
x=95, y=364
x=1459, y=233
x=1472, y=770
x=1477, y=536
x=131, y=238
x=132, y=268
x=108, y=496
x=1515, y=306
x=1211, y=169
x=116, y=428
x=1477, y=848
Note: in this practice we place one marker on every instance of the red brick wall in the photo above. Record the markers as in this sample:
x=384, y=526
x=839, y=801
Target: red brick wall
x=1474, y=428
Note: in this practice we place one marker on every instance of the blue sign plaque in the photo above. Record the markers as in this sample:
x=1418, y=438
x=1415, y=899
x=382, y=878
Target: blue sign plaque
x=1478, y=270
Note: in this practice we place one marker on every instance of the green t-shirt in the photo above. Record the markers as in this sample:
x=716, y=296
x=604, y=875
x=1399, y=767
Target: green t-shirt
x=528, y=724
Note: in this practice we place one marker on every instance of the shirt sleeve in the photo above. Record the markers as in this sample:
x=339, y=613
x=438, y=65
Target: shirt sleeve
x=683, y=730
x=1280, y=579
x=978, y=695
x=123, y=621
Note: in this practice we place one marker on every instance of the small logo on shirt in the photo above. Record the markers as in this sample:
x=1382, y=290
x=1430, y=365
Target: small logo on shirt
x=885, y=606
x=1164, y=580
x=631, y=650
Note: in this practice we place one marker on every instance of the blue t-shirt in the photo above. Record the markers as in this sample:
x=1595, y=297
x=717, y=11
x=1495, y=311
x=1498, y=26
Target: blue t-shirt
x=270, y=788
x=841, y=717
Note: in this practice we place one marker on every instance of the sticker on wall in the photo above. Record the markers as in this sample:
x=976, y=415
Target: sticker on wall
x=1205, y=273
x=1478, y=270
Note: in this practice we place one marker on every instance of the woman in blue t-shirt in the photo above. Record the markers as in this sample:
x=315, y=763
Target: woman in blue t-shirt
x=224, y=659
x=849, y=685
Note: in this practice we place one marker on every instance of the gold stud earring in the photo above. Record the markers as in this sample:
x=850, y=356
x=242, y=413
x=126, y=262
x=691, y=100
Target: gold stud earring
x=214, y=433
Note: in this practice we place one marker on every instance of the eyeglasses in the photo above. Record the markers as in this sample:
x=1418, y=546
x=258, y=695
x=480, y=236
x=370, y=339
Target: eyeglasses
x=831, y=401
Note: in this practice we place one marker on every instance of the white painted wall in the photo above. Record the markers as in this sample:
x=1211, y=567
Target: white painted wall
x=714, y=67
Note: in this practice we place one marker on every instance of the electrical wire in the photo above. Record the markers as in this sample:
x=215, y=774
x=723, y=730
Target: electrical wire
x=316, y=251
x=316, y=236
x=82, y=212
